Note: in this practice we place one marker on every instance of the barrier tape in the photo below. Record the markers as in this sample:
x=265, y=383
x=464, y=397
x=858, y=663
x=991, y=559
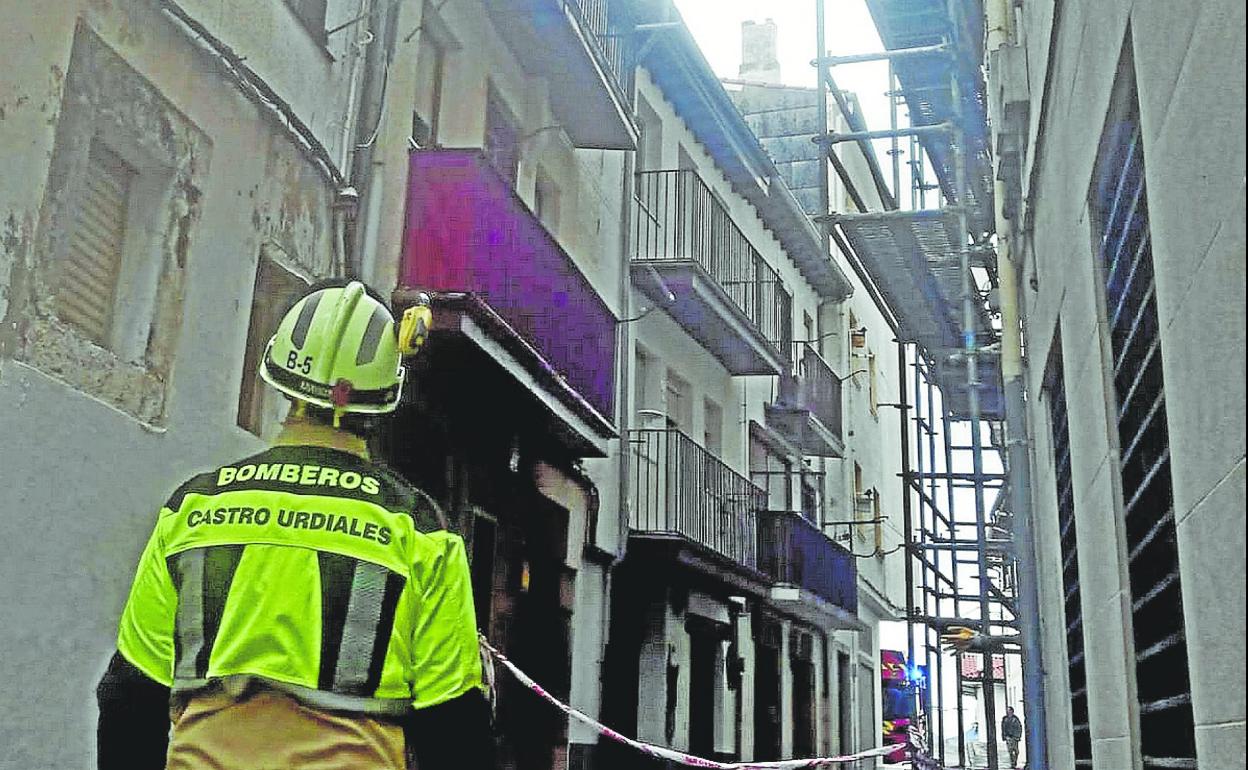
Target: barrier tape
x=661, y=752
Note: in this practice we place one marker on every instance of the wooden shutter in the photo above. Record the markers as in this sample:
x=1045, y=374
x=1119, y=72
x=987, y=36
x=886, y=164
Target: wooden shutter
x=88, y=280
x=275, y=290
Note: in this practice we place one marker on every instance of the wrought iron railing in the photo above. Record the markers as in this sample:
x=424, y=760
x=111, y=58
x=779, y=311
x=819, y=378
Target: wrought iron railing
x=679, y=218
x=818, y=386
x=681, y=488
x=792, y=550
x=595, y=18
x=802, y=488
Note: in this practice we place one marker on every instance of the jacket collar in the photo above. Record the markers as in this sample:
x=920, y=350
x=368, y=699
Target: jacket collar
x=299, y=431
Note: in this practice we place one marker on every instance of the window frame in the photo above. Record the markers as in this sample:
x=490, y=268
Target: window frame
x=256, y=414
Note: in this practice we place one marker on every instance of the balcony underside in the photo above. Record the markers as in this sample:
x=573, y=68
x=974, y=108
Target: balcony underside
x=667, y=550
x=549, y=42
x=470, y=347
x=814, y=609
x=708, y=314
x=801, y=427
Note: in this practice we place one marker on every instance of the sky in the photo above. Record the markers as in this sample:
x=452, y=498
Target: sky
x=716, y=25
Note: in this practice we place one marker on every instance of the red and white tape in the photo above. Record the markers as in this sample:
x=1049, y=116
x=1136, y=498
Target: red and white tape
x=661, y=752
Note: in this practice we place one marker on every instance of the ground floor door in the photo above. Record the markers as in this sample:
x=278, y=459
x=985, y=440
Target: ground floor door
x=767, y=695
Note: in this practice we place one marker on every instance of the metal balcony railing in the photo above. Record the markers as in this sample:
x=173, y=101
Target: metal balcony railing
x=613, y=53
x=681, y=488
x=792, y=550
x=782, y=485
x=679, y=219
x=819, y=388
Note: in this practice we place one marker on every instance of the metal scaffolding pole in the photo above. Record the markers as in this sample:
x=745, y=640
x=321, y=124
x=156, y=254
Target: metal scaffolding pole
x=907, y=515
x=894, y=150
x=932, y=487
x=946, y=433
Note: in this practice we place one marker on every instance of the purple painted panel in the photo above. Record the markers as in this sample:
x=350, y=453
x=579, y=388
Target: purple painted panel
x=468, y=231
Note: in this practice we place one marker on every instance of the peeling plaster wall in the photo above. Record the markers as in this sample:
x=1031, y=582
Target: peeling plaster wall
x=92, y=442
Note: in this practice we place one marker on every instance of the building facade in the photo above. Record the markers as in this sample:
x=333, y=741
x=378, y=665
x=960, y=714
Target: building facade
x=1116, y=130
x=650, y=401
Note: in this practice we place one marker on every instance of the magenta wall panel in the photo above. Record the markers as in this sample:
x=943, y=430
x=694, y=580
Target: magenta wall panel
x=468, y=231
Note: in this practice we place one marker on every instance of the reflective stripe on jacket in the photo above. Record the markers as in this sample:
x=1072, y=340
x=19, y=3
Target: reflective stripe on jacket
x=304, y=567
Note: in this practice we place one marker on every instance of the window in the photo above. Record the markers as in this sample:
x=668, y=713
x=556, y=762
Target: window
x=679, y=402
x=684, y=160
x=873, y=386
x=502, y=137
x=812, y=484
x=430, y=73
x=864, y=504
x=93, y=259
x=1124, y=257
x=773, y=473
x=650, y=145
x=1055, y=396
x=117, y=225
x=275, y=290
x=713, y=427
x=311, y=14
x=643, y=381
x=546, y=201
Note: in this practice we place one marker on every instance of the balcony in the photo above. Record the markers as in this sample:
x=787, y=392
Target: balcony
x=507, y=284
x=726, y=296
x=684, y=491
x=580, y=48
x=808, y=408
x=794, y=553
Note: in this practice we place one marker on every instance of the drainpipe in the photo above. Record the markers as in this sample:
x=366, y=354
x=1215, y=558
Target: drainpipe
x=1013, y=370
x=624, y=408
x=1012, y=375
x=367, y=129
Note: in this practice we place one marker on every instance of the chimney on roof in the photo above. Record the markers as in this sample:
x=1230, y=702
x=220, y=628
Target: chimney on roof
x=758, y=52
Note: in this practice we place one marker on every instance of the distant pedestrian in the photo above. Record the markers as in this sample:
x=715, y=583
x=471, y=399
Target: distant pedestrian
x=1012, y=730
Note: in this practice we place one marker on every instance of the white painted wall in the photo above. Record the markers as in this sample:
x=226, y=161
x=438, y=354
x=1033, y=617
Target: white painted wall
x=1189, y=69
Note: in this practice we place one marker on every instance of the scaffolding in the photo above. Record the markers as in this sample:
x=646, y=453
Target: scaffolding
x=935, y=269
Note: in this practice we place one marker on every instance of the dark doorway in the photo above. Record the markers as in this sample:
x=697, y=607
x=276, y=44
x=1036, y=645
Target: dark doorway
x=632, y=591
x=767, y=692
x=802, y=664
x=537, y=629
x=703, y=650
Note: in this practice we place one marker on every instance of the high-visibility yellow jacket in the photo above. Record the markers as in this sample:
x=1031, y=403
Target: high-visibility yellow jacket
x=306, y=568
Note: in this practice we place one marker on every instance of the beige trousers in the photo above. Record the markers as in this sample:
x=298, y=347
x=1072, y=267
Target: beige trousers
x=269, y=730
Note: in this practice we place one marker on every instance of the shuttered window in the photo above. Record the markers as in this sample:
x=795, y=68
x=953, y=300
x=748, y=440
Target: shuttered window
x=1125, y=257
x=87, y=292
x=502, y=137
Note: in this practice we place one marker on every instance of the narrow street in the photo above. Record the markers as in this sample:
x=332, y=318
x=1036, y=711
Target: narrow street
x=843, y=384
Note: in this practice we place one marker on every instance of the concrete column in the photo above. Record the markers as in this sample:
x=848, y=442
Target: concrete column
x=786, y=690
x=745, y=695
x=725, y=731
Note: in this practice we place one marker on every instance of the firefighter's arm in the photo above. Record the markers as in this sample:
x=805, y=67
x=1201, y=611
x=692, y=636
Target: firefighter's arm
x=133, y=695
x=133, y=729
x=450, y=726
